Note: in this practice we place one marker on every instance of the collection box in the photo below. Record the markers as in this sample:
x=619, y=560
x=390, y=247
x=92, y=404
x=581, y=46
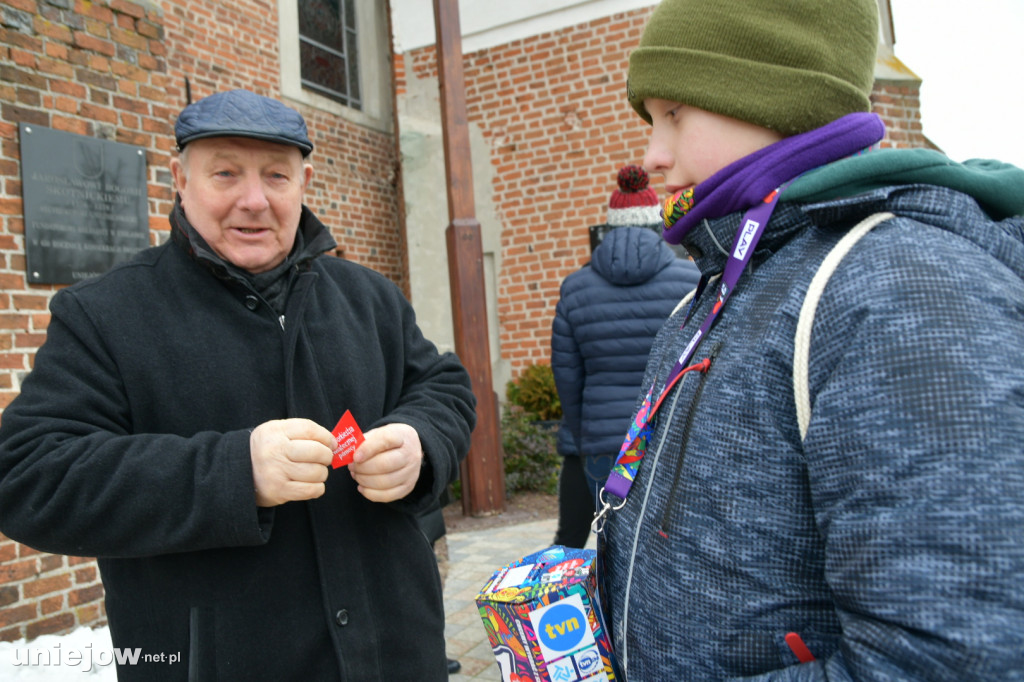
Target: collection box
x=543, y=619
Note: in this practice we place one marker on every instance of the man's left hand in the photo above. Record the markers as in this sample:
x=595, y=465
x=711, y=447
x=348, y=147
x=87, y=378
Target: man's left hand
x=387, y=464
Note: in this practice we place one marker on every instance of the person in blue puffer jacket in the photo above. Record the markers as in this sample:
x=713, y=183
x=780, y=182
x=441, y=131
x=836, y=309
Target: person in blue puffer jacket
x=855, y=512
x=605, y=322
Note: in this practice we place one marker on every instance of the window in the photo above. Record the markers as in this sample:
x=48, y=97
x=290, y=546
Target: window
x=328, y=50
x=336, y=56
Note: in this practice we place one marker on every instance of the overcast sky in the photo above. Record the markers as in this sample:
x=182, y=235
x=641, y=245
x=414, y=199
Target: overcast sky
x=969, y=56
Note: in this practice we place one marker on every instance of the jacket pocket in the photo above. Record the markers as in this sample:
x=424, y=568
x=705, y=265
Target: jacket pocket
x=820, y=645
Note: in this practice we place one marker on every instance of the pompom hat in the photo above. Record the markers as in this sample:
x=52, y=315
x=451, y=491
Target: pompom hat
x=787, y=65
x=634, y=202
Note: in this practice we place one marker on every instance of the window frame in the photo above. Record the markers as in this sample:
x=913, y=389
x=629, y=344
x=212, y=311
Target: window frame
x=373, y=46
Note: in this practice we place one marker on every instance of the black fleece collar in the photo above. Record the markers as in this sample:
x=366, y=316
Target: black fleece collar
x=311, y=241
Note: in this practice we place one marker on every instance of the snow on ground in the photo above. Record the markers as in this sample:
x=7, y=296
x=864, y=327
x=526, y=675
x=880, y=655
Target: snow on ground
x=83, y=654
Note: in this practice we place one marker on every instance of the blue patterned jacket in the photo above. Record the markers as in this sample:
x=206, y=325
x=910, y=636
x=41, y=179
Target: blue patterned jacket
x=892, y=539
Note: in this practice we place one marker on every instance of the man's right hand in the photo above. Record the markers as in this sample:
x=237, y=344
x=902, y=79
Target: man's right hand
x=291, y=459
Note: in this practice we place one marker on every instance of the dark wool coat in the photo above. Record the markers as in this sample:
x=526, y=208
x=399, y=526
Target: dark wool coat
x=606, y=318
x=892, y=538
x=130, y=442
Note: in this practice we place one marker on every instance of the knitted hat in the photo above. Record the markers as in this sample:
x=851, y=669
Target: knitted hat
x=633, y=203
x=787, y=65
x=240, y=113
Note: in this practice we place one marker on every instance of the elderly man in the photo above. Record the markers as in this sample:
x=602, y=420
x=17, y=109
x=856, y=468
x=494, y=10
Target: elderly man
x=176, y=426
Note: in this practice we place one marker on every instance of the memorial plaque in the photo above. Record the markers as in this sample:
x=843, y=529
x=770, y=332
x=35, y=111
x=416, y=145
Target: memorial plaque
x=85, y=204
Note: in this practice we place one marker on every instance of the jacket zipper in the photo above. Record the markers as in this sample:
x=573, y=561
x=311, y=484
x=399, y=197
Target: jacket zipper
x=654, y=459
x=670, y=505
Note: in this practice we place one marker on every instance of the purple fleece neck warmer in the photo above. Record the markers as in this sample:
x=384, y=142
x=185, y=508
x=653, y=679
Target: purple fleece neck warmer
x=749, y=180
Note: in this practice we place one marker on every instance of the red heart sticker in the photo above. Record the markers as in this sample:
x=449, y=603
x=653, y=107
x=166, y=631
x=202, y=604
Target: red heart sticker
x=347, y=436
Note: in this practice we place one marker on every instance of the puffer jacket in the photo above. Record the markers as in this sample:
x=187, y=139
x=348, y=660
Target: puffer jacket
x=891, y=540
x=605, y=322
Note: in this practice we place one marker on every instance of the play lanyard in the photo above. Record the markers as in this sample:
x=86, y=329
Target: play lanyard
x=634, y=446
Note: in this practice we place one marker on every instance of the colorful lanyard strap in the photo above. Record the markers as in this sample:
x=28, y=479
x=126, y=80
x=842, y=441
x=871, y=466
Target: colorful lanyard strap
x=634, y=446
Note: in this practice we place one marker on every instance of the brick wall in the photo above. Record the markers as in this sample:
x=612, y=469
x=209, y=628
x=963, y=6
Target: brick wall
x=116, y=70
x=899, y=105
x=95, y=69
x=554, y=112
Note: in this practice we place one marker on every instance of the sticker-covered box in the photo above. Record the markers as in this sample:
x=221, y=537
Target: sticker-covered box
x=543, y=621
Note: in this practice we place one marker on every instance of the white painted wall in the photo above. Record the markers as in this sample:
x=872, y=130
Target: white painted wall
x=486, y=23
x=426, y=219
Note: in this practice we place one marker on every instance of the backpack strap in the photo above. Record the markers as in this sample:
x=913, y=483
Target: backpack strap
x=802, y=343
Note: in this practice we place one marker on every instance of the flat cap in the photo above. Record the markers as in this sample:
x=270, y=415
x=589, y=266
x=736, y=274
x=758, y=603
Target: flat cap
x=240, y=113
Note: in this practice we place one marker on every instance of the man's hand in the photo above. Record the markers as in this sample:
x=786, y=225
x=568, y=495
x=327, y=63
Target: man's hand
x=387, y=464
x=290, y=460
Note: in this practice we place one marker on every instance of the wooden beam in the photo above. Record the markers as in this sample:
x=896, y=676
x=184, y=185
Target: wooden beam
x=483, y=471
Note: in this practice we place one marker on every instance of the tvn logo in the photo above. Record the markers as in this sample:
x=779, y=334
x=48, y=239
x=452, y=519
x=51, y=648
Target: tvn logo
x=556, y=631
x=562, y=628
x=746, y=236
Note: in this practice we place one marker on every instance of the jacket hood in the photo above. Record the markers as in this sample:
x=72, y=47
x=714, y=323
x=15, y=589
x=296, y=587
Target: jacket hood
x=997, y=187
x=631, y=255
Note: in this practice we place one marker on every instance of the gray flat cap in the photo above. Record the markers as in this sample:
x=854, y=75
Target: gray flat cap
x=240, y=113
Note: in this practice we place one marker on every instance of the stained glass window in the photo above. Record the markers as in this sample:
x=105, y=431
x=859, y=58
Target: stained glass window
x=327, y=49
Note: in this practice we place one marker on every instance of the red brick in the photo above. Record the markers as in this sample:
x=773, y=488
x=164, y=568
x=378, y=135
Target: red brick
x=91, y=614
x=70, y=125
x=97, y=13
x=24, y=552
x=85, y=595
x=8, y=595
x=24, y=5
x=53, y=31
x=129, y=38
x=49, y=605
x=15, y=571
x=11, y=634
x=14, y=321
x=11, y=282
x=41, y=586
x=58, y=624
x=98, y=63
x=130, y=8
x=17, y=614
x=69, y=88
x=87, y=574
x=91, y=42
x=30, y=302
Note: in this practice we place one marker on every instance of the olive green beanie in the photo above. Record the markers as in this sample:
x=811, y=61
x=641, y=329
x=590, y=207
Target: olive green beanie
x=787, y=65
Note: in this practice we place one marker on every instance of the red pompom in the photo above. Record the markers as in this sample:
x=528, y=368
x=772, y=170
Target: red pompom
x=632, y=179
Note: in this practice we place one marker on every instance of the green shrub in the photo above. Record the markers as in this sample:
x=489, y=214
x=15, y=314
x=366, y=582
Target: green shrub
x=531, y=458
x=535, y=392
x=528, y=433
